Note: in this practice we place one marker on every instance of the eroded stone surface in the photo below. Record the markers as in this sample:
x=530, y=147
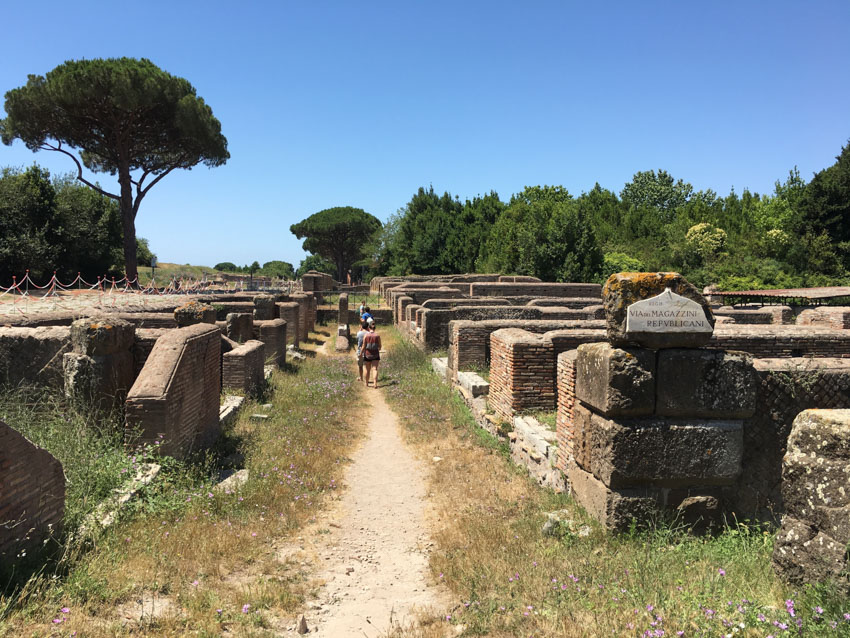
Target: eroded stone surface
x=97, y=336
x=194, y=312
x=615, y=381
x=626, y=288
x=705, y=383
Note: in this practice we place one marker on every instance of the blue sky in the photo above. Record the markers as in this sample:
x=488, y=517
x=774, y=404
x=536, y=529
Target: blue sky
x=360, y=103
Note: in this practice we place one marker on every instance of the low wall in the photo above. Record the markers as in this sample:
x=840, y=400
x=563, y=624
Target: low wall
x=783, y=341
x=224, y=308
x=32, y=495
x=33, y=355
x=176, y=395
x=469, y=341
x=243, y=367
x=149, y=319
x=522, y=373
x=536, y=289
x=837, y=318
x=765, y=315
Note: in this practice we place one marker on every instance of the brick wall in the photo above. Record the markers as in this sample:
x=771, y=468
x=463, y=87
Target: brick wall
x=566, y=387
x=518, y=279
x=288, y=311
x=761, y=315
x=837, y=318
x=522, y=372
x=536, y=289
x=304, y=307
x=243, y=368
x=577, y=303
x=33, y=355
x=469, y=341
x=149, y=319
x=782, y=341
x=32, y=494
x=142, y=346
x=435, y=323
x=177, y=391
x=273, y=335
x=785, y=388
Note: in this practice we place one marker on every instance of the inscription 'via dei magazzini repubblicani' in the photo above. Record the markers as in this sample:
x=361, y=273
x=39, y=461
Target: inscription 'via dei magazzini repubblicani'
x=667, y=312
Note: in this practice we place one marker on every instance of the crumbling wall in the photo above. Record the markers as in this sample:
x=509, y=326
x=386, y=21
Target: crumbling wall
x=32, y=494
x=176, y=395
x=811, y=546
x=33, y=355
x=522, y=373
x=837, y=317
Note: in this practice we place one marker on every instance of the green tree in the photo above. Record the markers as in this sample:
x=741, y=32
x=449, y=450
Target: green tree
x=281, y=269
x=124, y=116
x=825, y=204
x=226, y=266
x=423, y=240
x=27, y=204
x=143, y=252
x=314, y=262
x=339, y=234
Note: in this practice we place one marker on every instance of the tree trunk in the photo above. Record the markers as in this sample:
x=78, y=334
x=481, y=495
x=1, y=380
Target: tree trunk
x=128, y=225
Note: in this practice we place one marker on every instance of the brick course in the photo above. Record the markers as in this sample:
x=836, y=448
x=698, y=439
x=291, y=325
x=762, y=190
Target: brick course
x=32, y=494
x=177, y=391
x=243, y=368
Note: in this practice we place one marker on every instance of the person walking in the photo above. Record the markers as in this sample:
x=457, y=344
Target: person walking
x=360, y=335
x=371, y=351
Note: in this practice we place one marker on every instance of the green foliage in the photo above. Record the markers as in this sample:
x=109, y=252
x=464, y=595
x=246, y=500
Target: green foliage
x=825, y=204
x=278, y=269
x=705, y=240
x=314, y=262
x=227, y=266
x=124, y=116
x=56, y=225
x=340, y=235
x=143, y=252
x=620, y=262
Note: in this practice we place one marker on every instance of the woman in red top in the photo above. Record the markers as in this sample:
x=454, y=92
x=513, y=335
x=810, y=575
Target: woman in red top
x=371, y=350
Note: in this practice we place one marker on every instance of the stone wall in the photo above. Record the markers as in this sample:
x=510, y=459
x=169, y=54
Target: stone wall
x=32, y=495
x=242, y=368
x=812, y=544
x=763, y=315
x=99, y=370
x=223, y=308
x=783, y=341
x=176, y=395
x=304, y=307
x=536, y=289
x=33, y=355
x=785, y=388
x=273, y=335
x=239, y=326
x=149, y=319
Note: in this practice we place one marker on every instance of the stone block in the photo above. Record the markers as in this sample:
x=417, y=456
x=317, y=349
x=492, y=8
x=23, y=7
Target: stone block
x=194, y=312
x=626, y=288
x=239, y=326
x=581, y=436
x=440, y=365
x=705, y=383
x=264, y=307
x=98, y=336
x=615, y=381
x=804, y=554
x=816, y=472
x=342, y=343
x=473, y=383
x=665, y=452
x=98, y=381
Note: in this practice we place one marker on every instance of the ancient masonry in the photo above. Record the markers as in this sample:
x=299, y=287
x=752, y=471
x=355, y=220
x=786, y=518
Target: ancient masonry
x=651, y=420
x=167, y=368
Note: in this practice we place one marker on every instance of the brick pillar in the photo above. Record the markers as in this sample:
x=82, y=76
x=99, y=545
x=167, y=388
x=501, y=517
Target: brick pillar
x=522, y=372
x=566, y=402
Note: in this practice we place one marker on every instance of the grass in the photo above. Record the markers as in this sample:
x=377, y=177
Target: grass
x=210, y=555
x=510, y=580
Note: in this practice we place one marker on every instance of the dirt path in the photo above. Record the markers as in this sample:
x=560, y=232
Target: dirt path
x=374, y=555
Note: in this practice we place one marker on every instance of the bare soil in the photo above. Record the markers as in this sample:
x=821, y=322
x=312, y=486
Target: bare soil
x=371, y=547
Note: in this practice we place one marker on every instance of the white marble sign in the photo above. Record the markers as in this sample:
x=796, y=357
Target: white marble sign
x=667, y=312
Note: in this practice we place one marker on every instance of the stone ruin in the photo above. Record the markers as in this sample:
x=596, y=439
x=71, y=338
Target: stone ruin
x=167, y=369
x=650, y=421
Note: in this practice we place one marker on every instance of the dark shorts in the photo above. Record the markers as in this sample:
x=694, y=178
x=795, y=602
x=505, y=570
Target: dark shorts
x=368, y=360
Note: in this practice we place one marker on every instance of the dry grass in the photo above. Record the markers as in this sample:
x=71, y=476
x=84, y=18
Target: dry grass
x=191, y=560
x=510, y=580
